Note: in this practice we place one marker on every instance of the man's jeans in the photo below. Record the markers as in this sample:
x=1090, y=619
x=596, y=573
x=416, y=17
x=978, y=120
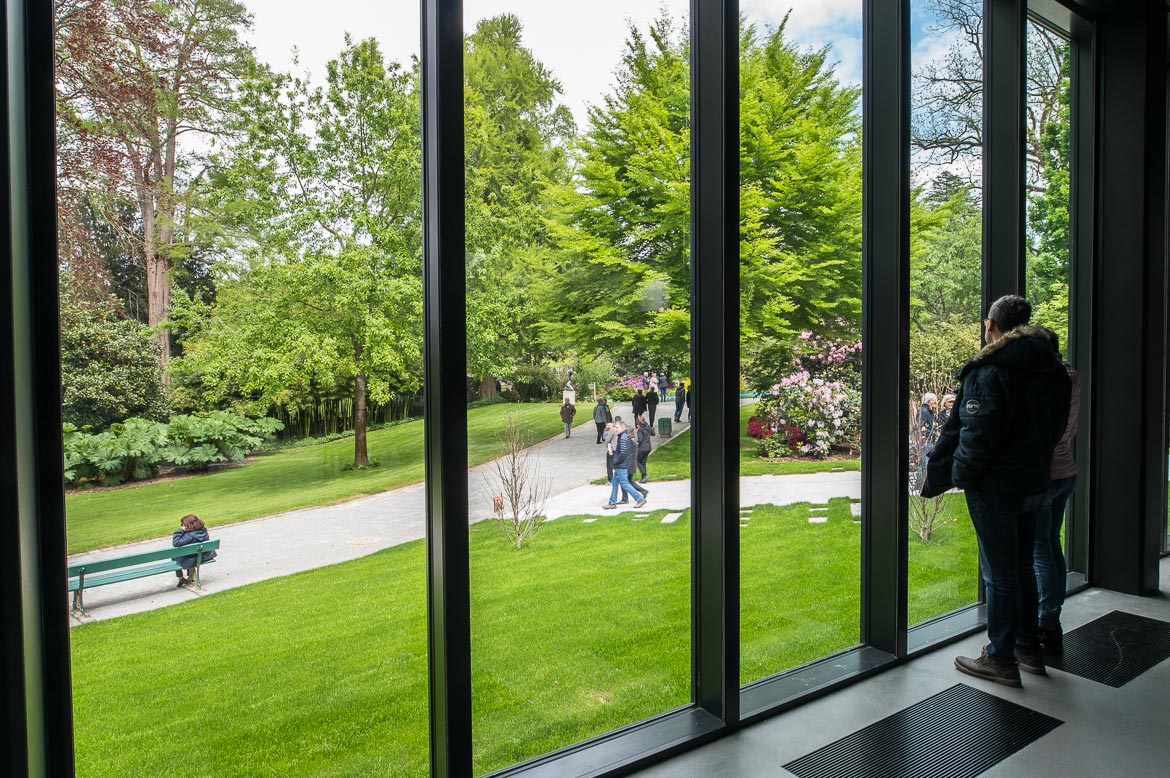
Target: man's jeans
x=621, y=479
x=1049, y=556
x=1006, y=530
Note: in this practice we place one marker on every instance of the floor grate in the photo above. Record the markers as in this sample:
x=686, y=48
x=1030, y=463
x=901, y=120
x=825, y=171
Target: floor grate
x=958, y=733
x=1113, y=649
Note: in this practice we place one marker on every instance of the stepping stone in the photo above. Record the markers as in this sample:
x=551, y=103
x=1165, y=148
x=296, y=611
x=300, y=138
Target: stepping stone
x=590, y=521
x=671, y=518
x=817, y=519
x=838, y=470
x=855, y=508
x=855, y=521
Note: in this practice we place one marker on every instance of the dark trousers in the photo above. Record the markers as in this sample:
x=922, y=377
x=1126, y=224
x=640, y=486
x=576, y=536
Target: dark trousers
x=609, y=467
x=1006, y=530
x=1048, y=559
x=642, y=462
x=678, y=411
x=600, y=429
x=652, y=409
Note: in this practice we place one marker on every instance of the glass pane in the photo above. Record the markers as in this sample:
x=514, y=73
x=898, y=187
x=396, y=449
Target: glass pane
x=800, y=276
x=1049, y=270
x=268, y=219
x=946, y=269
x=578, y=283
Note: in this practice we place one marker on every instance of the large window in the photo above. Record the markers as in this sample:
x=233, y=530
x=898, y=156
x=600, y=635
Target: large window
x=241, y=350
x=578, y=323
x=801, y=352
x=946, y=272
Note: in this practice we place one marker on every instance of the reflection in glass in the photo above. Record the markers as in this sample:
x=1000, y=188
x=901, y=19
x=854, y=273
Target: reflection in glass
x=946, y=265
x=800, y=280
x=578, y=290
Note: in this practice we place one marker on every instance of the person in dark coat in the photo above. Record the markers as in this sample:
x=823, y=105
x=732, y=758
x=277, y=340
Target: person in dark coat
x=680, y=398
x=644, y=446
x=928, y=419
x=663, y=386
x=945, y=410
x=601, y=417
x=1012, y=409
x=690, y=394
x=652, y=405
x=191, y=530
x=568, y=411
x=639, y=403
x=624, y=459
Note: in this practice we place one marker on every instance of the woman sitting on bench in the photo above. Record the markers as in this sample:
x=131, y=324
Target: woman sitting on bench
x=191, y=530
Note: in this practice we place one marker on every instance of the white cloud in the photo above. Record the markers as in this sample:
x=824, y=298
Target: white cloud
x=806, y=15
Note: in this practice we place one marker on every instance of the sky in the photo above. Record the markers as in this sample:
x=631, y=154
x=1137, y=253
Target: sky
x=580, y=42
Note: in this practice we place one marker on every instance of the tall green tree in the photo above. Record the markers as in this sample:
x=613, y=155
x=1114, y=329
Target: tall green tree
x=516, y=138
x=136, y=82
x=620, y=282
x=322, y=201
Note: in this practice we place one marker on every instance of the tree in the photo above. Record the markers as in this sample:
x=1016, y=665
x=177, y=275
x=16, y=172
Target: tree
x=109, y=367
x=322, y=198
x=516, y=140
x=622, y=267
x=946, y=266
x=135, y=81
x=523, y=491
x=947, y=121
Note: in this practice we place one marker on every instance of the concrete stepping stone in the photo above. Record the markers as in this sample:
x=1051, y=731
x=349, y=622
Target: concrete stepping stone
x=671, y=518
x=855, y=508
x=590, y=521
x=818, y=519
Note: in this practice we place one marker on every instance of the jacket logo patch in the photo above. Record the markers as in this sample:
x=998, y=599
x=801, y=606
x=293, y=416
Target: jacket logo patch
x=972, y=407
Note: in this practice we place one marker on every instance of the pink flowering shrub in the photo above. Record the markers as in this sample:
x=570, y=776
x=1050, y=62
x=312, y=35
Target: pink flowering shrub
x=816, y=408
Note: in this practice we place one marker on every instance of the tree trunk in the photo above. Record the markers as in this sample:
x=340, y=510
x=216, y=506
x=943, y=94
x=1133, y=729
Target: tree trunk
x=360, y=456
x=158, y=290
x=487, y=387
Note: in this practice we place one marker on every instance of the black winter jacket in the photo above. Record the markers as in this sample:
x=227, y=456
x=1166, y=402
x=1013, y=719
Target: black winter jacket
x=1010, y=411
x=625, y=455
x=638, y=404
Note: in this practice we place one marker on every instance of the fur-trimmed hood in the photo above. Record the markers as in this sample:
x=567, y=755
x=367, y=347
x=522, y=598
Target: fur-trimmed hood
x=1026, y=347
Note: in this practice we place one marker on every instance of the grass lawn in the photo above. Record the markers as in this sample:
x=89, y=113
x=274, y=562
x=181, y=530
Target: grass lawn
x=672, y=461
x=282, y=481
x=586, y=629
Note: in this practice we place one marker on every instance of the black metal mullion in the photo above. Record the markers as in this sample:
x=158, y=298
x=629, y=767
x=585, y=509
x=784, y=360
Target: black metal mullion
x=885, y=322
x=1004, y=181
x=445, y=420
x=715, y=355
x=36, y=658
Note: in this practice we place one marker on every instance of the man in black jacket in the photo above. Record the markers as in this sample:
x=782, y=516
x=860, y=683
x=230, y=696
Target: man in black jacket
x=1012, y=406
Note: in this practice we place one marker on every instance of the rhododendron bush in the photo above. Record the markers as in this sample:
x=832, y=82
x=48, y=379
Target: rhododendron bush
x=815, y=409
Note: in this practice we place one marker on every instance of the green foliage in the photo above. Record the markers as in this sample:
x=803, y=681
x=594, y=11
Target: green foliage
x=109, y=365
x=537, y=383
x=937, y=354
x=134, y=449
x=946, y=263
x=623, y=266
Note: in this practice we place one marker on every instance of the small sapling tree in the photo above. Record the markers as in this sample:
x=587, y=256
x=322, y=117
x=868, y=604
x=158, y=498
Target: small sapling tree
x=521, y=492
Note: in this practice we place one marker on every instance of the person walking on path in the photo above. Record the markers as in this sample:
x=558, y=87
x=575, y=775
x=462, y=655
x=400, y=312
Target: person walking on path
x=643, y=440
x=1048, y=559
x=689, y=397
x=608, y=438
x=652, y=405
x=632, y=472
x=1013, y=404
x=624, y=457
x=568, y=411
x=663, y=385
x=680, y=398
x=639, y=403
x=191, y=530
x=601, y=417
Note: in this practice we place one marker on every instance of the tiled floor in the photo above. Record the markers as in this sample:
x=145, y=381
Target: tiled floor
x=1107, y=732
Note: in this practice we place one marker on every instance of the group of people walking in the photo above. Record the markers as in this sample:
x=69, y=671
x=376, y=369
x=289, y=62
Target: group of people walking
x=1006, y=440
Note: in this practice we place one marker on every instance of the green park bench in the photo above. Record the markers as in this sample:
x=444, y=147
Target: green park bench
x=126, y=568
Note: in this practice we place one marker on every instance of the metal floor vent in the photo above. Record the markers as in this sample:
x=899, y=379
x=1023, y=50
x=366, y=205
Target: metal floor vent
x=1113, y=649
x=958, y=733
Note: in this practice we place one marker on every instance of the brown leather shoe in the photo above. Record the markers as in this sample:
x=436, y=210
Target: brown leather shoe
x=986, y=668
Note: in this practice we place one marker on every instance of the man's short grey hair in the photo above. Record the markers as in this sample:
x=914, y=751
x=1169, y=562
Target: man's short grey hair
x=1009, y=312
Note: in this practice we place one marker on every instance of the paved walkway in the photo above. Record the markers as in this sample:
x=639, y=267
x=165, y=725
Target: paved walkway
x=308, y=538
